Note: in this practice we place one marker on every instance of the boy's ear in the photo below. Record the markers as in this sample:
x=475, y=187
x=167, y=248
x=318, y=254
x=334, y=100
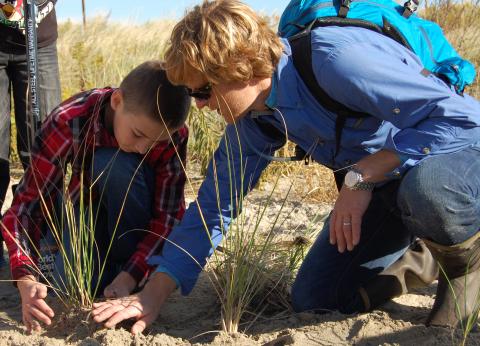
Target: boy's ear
x=116, y=99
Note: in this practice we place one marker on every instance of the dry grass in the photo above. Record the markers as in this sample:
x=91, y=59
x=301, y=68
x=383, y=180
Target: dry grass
x=460, y=23
x=106, y=51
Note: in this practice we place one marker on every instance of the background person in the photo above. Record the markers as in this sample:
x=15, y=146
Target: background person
x=14, y=77
x=14, y=80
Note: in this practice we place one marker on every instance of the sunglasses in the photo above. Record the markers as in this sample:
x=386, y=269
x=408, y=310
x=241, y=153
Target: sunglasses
x=203, y=93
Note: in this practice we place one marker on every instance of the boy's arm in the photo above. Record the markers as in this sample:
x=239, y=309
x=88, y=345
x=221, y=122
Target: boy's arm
x=169, y=204
x=21, y=225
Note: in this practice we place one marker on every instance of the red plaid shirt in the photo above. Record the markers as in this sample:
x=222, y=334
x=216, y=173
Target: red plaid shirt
x=72, y=131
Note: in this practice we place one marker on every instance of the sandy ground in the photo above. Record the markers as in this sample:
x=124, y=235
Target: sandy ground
x=196, y=319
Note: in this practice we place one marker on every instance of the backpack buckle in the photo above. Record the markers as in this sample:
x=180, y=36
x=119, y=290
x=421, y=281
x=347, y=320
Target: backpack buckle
x=344, y=8
x=410, y=7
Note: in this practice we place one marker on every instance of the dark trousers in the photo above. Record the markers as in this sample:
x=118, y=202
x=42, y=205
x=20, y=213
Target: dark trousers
x=14, y=83
x=439, y=199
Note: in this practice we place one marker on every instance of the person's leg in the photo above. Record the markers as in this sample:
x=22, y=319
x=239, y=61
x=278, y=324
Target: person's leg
x=49, y=79
x=19, y=78
x=329, y=280
x=440, y=198
x=125, y=187
x=4, y=126
x=440, y=202
x=4, y=135
x=49, y=94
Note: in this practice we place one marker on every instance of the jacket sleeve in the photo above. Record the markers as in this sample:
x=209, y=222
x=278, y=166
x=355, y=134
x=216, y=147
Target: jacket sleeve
x=431, y=118
x=234, y=170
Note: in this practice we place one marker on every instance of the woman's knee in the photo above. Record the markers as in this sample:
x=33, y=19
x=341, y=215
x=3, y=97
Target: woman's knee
x=325, y=295
x=306, y=296
x=435, y=204
x=312, y=288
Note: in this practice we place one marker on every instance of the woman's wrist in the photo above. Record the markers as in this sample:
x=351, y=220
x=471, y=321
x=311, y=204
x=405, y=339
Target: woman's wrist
x=160, y=285
x=375, y=167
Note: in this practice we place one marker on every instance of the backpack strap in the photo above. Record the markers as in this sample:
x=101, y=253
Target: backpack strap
x=302, y=60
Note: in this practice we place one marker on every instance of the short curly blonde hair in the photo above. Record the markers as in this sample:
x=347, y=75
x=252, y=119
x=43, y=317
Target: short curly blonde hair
x=224, y=41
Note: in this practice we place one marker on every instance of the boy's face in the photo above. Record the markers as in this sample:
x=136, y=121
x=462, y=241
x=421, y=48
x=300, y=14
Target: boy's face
x=135, y=133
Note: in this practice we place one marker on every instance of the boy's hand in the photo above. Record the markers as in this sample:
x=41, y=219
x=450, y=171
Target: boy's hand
x=121, y=286
x=144, y=306
x=34, y=307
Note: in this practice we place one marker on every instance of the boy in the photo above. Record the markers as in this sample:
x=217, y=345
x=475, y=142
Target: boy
x=400, y=182
x=144, y=118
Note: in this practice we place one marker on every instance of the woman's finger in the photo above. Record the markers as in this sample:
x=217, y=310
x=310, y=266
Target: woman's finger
x=333, y=237
x=130, y=311
x=99, y=307
x=108, y=302
x=142, y=323
x=347, y=231
x=341, y=244
x=41, y=291
x=108, y=313
x=356, y=229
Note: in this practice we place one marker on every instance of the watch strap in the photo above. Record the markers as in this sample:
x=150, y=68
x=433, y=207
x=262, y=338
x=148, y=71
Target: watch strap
x=361, y=185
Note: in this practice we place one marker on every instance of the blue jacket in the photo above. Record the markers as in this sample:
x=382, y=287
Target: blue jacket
x=414, y=115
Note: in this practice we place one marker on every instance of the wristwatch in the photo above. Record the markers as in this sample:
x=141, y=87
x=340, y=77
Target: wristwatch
x=354, y=181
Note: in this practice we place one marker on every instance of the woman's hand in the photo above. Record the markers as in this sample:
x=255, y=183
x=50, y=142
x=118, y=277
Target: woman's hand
x=144, y=307
x=346, y=218
x=34, y=307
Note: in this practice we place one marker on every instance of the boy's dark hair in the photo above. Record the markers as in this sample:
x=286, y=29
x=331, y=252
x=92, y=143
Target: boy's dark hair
x=141, y=87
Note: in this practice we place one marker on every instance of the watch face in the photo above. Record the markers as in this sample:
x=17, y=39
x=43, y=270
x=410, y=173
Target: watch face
x=352, y=178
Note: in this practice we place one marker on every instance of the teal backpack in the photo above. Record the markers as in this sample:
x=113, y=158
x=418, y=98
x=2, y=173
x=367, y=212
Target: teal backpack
x=386, y=17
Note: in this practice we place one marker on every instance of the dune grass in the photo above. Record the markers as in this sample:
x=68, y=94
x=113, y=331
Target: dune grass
x=105, y=51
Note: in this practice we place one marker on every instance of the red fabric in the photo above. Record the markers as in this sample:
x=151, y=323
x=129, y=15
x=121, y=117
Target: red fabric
x=69, y=136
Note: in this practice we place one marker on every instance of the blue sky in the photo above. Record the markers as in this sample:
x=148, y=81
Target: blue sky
x=141, y=11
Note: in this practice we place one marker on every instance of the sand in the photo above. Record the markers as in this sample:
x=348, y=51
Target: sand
x=195, y=319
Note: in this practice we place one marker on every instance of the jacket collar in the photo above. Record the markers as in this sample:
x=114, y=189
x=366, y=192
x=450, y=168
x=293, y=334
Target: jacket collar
x=284, y=91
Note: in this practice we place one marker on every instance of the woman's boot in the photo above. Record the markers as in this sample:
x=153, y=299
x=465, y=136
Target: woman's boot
x=458, y=284
x=416, y=268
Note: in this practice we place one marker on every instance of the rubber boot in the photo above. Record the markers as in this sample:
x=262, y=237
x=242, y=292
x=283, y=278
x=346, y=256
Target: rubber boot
x=458, y=284
x=415, y=269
